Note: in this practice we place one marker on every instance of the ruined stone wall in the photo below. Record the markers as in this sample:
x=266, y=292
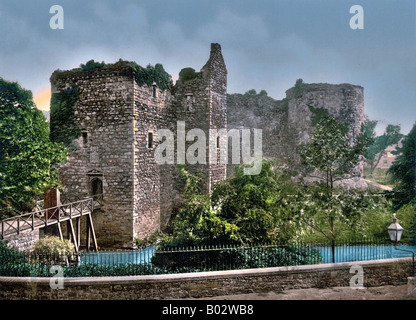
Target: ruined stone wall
x=217, y=76
x=344, y=102
x=104, y=152
x=287, y=123
x=200, y=104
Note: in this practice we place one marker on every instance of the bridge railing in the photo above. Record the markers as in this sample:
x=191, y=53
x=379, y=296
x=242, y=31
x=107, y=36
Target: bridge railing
x=48, y=216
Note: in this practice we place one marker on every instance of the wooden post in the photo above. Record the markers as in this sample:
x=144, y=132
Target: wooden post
x=60, y=231
x=68, y=231
x=91, y=226
x=74, y=240
x=51, y=199
x=88, y=235
x=78, y=221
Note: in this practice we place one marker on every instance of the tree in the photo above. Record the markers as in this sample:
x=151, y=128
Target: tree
x=329, y=157
x=377, y=149
x=244, y=209
x=27, y=156
x=198, y=223
x=403, y=171
x=259, y=205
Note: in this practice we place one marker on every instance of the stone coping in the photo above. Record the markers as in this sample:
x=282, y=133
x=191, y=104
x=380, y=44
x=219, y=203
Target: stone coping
x=180, y=277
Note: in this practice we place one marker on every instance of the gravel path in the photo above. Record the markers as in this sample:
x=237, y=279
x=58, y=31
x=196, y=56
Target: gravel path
x=337, y=293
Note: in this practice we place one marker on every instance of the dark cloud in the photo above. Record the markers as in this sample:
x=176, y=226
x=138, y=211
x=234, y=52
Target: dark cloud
x=266, y=44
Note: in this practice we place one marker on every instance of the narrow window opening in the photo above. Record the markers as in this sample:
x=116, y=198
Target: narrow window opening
x=84, y=137
x=218, y=142
x=154, y=85
x=150, y=140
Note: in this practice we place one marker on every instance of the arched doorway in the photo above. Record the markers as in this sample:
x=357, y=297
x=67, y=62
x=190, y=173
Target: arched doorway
x=95, y=185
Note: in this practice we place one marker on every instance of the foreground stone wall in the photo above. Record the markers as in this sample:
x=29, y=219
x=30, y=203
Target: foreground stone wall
x=205, y=284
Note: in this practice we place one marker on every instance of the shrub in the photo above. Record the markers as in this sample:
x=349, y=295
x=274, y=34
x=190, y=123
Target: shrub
x=52, y=250
x=10, y=254
x=187, y=74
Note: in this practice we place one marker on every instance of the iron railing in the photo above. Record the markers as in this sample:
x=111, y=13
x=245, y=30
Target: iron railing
x=162, y=259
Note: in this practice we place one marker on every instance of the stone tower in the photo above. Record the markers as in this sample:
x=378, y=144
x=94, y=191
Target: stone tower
x=114, y=154
x=199, y=105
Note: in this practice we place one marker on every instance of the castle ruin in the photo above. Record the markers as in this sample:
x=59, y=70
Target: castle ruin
x=119, y=122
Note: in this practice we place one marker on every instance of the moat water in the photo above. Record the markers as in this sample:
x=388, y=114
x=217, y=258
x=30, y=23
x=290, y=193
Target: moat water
x=342, y=254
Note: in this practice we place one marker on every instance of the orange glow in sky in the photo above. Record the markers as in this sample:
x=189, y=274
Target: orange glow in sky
x=42, y=99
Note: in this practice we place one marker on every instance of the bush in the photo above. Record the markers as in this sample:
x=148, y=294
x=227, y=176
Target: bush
x=53, y=251
x=10, y=254
x=187, y=74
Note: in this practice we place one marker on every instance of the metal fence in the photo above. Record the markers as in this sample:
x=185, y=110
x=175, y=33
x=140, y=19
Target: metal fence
x=162, y=259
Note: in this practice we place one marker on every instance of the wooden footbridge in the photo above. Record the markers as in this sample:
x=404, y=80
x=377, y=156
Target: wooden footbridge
x=54, y=217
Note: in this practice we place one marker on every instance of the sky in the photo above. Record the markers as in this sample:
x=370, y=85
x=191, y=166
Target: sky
x=266, y=44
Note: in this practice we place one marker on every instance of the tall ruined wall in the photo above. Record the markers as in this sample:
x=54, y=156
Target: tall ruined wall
x=344, y=102
x=103, y=157
x=198, y=103
x=287, y=123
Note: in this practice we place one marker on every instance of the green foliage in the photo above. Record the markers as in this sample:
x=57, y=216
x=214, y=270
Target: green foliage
x=251, y=92
x=258, y=205
x=187, y=74
x=144, y=76
x=63, y=127
x=299, y=85
x=379, y=144
x=329, y=157
x=406, y=217
x=10, y=254
x=244, y=209
x=53, y=250
x=379, y=175
x=153, y=239
x=91, y=65
x=329, y=151
x=150, y=74
x=27, y=155
x=403, y=171
x=198, y=223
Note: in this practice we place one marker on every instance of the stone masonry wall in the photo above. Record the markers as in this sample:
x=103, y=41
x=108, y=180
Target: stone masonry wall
x=287, y=123
x=104, y=113
x=199, y=104
x=150, y=115
x=209, y=284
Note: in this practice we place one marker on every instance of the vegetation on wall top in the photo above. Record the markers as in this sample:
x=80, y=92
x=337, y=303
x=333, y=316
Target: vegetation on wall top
x=187, y=74
x=144, y=76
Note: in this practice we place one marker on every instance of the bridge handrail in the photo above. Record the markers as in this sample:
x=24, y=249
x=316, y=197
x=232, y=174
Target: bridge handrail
x=50, y=215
